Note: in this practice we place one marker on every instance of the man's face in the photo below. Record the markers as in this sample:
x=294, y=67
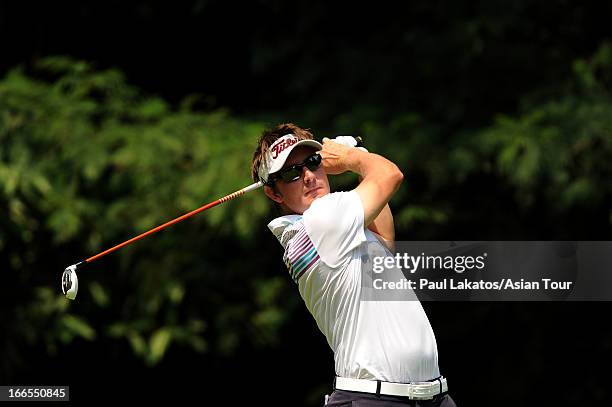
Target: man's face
x=297, y=196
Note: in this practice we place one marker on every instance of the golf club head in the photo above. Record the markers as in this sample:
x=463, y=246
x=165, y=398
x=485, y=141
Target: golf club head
x=70, y=282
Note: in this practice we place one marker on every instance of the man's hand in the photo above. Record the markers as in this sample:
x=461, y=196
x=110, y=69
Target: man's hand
x=335, y=157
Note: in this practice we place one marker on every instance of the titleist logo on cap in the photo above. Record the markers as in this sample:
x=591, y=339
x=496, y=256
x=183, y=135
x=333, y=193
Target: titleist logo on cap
x=279, y=147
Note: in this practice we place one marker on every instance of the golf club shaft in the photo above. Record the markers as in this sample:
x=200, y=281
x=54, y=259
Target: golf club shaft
x=179, y=219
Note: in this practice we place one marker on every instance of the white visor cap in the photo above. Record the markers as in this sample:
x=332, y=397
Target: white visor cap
x=277, y=154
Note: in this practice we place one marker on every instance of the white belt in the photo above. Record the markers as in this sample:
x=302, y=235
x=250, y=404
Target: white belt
x=414, y=391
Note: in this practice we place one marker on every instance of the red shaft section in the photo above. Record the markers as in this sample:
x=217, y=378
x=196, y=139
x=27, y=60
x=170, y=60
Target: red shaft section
x=172, y=222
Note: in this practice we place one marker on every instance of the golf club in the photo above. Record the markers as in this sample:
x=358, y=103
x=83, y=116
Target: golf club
x=70, y=281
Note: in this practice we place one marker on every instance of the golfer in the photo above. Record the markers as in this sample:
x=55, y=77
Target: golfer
x=385, y=351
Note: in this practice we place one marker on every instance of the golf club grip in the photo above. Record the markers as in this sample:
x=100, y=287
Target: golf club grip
x=359, y=139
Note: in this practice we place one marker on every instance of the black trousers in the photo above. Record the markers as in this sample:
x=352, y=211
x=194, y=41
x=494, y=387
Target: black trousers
x=343, y=398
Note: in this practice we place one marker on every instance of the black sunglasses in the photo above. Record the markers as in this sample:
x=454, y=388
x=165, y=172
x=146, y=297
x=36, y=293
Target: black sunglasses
x=294, y=172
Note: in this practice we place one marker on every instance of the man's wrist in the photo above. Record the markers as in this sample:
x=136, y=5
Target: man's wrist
x=354, y=161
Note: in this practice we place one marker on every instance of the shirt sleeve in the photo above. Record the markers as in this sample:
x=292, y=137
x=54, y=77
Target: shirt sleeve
x=334, y=224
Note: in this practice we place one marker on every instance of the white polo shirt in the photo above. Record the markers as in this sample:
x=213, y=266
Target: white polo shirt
x=378, y=340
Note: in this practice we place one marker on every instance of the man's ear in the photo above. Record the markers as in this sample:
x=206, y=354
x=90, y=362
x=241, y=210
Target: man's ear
x=273, y=195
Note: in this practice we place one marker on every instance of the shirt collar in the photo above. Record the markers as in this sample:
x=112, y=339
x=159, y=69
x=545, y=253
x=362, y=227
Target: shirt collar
x=278, y=225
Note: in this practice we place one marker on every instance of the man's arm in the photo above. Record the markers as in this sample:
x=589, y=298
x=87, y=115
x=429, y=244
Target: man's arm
x=381, y=179
x=384, y=226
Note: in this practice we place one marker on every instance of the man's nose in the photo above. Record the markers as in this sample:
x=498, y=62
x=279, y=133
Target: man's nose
x=309, y=176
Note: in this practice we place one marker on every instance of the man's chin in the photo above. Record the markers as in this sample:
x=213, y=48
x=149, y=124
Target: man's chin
x=316, y=194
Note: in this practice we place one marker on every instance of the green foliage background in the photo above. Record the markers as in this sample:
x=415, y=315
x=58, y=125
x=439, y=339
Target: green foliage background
x=88, y=162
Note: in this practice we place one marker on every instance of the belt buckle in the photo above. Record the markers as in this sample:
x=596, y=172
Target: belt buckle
x=420, y=392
